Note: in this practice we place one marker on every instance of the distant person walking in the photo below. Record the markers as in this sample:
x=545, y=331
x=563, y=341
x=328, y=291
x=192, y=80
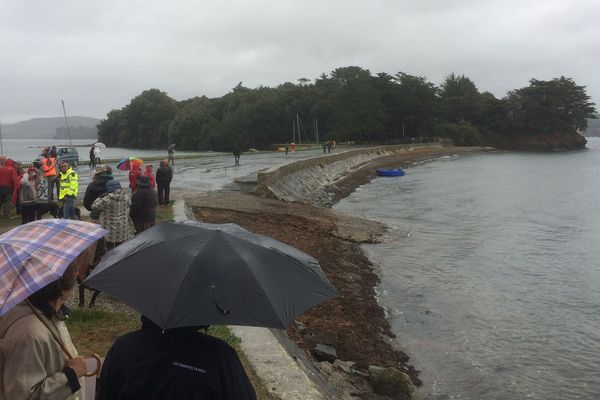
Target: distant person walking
x=164, y=176
x=237, y=152
x=92, y=162
x=97, y=152
x=171, y=152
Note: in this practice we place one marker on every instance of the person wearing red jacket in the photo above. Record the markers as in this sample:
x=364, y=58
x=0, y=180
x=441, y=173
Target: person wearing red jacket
x=150, y=174
x=9, y=185
x=134, y=173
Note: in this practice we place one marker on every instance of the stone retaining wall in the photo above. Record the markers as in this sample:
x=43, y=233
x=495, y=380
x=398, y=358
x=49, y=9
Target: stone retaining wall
x=305, y=180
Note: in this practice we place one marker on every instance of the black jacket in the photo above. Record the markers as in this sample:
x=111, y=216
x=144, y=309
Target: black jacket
x=143, y=206
x=95, y=189
x=164, y=174
x=153, y=364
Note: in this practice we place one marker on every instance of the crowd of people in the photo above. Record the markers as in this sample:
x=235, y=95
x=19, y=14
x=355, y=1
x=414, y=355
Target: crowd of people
x=53, y=187
x=176, y=363
x=31, y=192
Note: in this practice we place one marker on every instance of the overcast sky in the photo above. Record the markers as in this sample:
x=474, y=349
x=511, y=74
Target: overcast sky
x=98, y=55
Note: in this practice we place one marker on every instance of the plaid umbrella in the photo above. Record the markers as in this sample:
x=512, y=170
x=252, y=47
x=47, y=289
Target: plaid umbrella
x=36, y=254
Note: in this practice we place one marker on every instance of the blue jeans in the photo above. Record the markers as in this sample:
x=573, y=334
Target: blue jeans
x=69, y=208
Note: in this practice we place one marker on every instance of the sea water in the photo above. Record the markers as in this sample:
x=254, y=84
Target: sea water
x=491, y=272
x=27, y=150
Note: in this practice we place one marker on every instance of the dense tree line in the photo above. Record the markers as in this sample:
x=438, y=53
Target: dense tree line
x=349, y=104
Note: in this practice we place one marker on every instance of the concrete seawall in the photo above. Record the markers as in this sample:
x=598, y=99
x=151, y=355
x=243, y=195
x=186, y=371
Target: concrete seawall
x=306, y=180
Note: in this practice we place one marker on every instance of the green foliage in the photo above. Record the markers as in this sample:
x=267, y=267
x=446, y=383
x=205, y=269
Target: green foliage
x=550, y=106
x=222, y=332
x=418, y=103
x=462, y=134
x=349, y=104
x=460, y=99
x=142, y=124
x=358, y=112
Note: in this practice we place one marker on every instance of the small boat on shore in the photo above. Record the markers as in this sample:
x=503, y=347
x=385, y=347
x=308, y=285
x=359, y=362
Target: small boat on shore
x=390, y=172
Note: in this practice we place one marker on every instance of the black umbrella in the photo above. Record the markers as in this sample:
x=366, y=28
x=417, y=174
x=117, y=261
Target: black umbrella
x=188, y=274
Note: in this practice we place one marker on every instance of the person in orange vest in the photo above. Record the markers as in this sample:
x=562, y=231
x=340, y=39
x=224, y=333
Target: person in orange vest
x=49, y=171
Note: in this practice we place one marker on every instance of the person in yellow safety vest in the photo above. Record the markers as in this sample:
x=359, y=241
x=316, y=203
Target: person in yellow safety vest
x=49, y=169
x=69, y=187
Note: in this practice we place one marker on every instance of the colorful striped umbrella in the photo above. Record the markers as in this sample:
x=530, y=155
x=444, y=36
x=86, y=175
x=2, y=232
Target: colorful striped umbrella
x=129, y=162
x=36, y=254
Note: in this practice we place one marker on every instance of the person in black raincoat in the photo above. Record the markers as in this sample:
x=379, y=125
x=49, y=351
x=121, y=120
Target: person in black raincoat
x=164, y=176
x=180, y=363
x=237, y=152
x=97, y=187
x=143, y=205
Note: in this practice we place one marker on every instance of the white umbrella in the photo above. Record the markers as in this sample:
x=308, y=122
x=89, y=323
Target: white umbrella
x=100, y=144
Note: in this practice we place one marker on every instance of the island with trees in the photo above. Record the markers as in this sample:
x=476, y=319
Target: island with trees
x=351, y=104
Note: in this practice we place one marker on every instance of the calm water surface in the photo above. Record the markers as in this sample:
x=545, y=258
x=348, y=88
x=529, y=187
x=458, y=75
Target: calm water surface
x=491, y=275
x=28, y=149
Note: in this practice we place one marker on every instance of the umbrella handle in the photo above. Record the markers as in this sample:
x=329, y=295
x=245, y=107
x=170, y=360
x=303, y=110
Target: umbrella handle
x=98, y=366
x=62, y=344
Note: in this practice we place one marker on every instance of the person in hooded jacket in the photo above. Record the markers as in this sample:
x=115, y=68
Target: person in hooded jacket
x=149, y=172
x=97, y=187
x=29, y=192
x=181, y=363
x=113, y=208
x=164, y=176
x=143, y=205
x=134, y=173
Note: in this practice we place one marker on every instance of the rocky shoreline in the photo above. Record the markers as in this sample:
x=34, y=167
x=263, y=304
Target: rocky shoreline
x=349, y=335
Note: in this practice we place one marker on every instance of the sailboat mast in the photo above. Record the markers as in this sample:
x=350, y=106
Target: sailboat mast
x=299, y=134
x=66, y=122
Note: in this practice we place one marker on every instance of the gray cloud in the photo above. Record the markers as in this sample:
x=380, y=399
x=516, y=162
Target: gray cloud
x=97, y=55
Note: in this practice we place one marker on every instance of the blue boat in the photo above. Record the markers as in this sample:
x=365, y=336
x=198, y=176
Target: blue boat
x=390, y=172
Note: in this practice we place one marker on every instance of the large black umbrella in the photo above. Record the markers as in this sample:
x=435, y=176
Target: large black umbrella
x=188, y=274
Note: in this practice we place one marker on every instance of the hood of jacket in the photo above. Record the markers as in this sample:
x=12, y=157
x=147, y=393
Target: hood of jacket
x=16, y=313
